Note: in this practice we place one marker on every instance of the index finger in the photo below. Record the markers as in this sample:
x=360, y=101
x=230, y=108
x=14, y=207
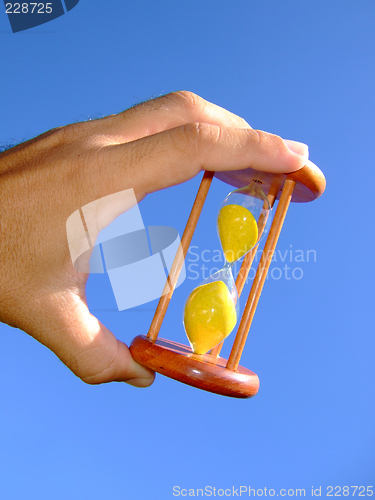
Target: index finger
x=177, y=155
x=164, y=113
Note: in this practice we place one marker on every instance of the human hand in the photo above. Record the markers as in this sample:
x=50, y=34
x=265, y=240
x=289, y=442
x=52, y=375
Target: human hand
x=152, y=146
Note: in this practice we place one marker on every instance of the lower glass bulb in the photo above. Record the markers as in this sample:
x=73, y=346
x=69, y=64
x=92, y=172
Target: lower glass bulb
x=211, y=311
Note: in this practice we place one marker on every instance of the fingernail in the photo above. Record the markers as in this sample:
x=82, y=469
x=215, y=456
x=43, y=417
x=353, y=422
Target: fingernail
x=297, y=147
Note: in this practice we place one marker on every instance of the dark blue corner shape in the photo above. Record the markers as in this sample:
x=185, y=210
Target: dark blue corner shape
x=70, y=4
x=22, y=21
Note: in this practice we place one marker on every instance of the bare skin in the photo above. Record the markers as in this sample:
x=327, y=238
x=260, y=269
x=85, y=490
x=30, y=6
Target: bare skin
x=152, y=146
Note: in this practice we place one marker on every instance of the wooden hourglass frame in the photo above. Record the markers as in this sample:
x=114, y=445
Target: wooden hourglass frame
x=210, y=372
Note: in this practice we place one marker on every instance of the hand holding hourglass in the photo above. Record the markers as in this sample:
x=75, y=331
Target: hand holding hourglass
x=51, y=176
x=212, y=309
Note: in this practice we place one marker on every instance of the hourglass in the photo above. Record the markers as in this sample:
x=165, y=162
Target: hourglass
x=211, y=310
x=210, y=371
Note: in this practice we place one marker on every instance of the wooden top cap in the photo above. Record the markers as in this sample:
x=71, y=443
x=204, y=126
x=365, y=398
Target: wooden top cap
x=310, y=181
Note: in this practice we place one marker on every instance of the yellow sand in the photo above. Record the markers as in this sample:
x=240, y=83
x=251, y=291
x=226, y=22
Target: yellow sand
x=209, y=316
x=238, y=231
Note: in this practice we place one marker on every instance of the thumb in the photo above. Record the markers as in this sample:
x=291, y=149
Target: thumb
x=86, y=346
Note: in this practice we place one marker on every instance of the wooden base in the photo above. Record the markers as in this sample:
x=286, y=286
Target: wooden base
x=206, y=372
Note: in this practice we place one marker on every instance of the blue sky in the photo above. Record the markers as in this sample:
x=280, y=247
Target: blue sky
x=303, y=70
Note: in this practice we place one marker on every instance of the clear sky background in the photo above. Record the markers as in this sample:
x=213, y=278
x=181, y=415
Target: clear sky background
x=303, y=70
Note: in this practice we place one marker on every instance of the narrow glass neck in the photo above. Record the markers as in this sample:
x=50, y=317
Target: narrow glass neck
x=253, y=189
x=228, y=266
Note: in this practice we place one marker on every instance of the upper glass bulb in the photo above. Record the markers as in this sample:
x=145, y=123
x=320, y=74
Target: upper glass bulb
x=243, y=221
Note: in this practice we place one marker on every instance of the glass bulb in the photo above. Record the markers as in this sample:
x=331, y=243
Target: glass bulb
x=211, y=311
x=243, y=221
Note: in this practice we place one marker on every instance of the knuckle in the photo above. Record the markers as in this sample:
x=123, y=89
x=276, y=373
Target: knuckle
x=83, y=133
x=186, y=99
x=192, y=131
x=73, y=130
x=193, y=136
x=65, y=135
x=94, y=374
x=202, y=132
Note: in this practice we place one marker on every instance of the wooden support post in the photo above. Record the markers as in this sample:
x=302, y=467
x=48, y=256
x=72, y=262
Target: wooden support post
x=180, y=256
x=261, y=275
